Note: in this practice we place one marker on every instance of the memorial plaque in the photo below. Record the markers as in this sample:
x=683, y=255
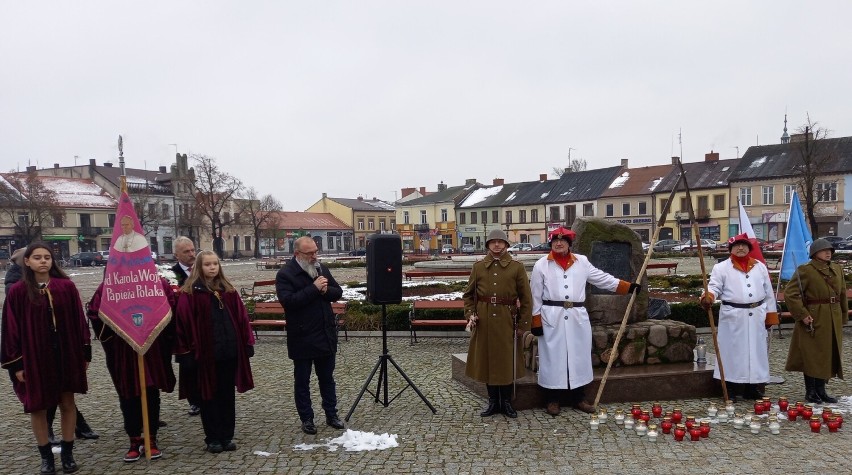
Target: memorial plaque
x=612, y=258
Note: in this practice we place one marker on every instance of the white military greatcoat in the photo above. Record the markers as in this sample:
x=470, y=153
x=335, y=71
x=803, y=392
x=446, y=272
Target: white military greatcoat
x=566, y=345
x=742, y=331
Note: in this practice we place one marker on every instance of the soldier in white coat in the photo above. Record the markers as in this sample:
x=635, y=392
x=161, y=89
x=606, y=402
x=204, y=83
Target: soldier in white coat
x=561, y=322
x=748, y=308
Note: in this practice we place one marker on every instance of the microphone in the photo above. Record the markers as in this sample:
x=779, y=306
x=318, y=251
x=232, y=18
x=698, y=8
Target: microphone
x=318, y=268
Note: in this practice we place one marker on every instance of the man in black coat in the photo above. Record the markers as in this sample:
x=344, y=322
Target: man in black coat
x=185, y=254
x=306, y=289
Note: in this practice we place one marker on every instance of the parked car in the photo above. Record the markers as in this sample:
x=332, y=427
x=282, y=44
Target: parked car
x=665, y=245
x=521, y=246
x=545, y=246
x=774, y=245
x=87, y=259
x=838, y=242
x=447, y=249
x=361, y=251
x=468, y=249
x=691, y=245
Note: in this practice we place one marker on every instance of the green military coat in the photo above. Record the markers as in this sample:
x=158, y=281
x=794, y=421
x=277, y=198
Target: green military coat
x=489, y=358
x=817, y=356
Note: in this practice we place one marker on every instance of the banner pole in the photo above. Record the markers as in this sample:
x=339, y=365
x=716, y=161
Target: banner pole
x=143, y=395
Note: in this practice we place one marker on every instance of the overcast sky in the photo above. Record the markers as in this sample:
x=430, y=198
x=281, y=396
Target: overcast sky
x=367, y=97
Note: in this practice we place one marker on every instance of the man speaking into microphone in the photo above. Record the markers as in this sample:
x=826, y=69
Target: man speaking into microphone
x=306, y=289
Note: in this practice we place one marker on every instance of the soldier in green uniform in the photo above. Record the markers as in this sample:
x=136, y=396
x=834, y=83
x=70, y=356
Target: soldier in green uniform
x=498, y=305
x=816, y=297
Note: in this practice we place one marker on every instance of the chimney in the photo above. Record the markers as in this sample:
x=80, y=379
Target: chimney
x=801, y=137
x=55, y=165
x=422, y=191
x=711, y=157
x=162, y=169
x=470, y=181
x=498, y=181
x=542, y=177
x=108, y=164
x=406, y=192
x=443, y=186
x=92, y=162
x=674, y=160
x=624, y=163
x=31, y=168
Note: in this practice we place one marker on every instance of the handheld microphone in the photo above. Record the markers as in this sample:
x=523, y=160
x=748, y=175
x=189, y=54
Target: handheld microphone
x=318, y=268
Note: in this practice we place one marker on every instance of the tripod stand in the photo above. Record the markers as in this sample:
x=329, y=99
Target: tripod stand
x=382, y=367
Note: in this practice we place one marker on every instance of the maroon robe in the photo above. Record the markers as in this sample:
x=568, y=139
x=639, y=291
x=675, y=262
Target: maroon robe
x=195, y=337
x=122, y=360
x=27, y=343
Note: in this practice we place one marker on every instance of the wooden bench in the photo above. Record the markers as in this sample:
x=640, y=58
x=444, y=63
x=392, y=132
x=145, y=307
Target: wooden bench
x=437, y=273
x=259, y=287
x=271, y=263
x=668, y=266
x=275, y=309
x=414, y=322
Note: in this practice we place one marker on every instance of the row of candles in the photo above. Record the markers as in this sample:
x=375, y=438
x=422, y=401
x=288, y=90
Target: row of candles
x=671, y=422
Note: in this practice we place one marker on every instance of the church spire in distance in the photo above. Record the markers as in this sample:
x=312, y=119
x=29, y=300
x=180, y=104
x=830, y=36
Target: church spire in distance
x=785, y=137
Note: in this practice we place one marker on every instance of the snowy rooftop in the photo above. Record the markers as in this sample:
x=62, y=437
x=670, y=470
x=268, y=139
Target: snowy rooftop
x=479, y=195
x=78, y=192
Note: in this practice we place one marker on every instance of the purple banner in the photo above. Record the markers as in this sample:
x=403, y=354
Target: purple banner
x=133, y=303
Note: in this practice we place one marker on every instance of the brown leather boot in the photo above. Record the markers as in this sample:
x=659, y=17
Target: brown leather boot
x=585, y=407
x=552, y=408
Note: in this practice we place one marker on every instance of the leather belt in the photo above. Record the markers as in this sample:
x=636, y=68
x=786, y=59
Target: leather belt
x=496, y=300
x=832, y=300
x=742, y=305
x=563, y=304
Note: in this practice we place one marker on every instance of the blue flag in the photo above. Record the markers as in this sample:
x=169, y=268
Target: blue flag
x=798, y=240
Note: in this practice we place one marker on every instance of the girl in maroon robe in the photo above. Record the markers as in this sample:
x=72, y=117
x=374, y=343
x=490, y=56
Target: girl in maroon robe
x=214, y=335
x=46, y=348
x=123, y=364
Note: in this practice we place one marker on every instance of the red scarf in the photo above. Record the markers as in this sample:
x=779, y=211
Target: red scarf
x=563, y=261
x=741, y=261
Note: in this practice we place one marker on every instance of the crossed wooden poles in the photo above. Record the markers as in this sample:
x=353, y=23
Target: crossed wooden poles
x=614, y=353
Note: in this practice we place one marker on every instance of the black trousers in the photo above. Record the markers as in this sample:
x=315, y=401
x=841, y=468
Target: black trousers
x=302, y=389
x=131, y=410
x=219, y=415
x=574, y=395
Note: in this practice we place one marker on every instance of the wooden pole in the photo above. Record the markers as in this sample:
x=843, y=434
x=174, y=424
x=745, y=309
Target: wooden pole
x=704, y=278
x=614, y=353
x=143, y=396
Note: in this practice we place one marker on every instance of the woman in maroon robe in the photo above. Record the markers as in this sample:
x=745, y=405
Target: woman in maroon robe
x=123, y=366
x=46, y=348
x=214, y=335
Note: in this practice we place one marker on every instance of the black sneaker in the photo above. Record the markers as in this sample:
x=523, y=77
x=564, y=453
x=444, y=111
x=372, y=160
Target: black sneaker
x=334, y=422
x=308, y=427
x=229, y=446
x=194, y=410
x=215, y=447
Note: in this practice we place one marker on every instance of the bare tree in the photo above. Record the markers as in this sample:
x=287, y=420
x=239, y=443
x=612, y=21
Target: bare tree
x=29, y=205
x=575, y=165
x=214, y=191
x=149, y=212
x=258, y=213
x=813, y=157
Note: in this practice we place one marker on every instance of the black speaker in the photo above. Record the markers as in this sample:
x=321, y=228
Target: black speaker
x=384, y=268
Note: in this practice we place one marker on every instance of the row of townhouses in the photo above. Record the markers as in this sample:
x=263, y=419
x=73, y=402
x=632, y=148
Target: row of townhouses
x=763, y=180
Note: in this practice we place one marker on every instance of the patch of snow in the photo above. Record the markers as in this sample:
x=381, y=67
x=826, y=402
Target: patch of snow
x=655, y=184
x=512, y=196
x=480, y=194
x=758, y=163
x=355, y=441
x=620, y=181
x=544, y=195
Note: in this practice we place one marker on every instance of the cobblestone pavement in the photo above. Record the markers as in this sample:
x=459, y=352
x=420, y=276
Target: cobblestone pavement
x=455, y=440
